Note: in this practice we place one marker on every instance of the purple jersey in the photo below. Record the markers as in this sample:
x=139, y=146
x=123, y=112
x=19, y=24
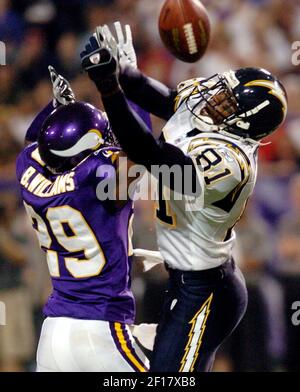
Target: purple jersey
x=86, y=241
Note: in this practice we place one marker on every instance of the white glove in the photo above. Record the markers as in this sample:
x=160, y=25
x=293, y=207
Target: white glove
x=150, y=258
x=62, y=91
x=127, y=55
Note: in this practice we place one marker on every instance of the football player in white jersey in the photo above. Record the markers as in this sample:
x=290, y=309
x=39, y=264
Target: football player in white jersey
x=214, y=126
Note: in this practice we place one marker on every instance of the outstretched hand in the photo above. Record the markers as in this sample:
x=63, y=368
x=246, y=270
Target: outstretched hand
x=100, y=57
x=62, y=91
x=127, y=55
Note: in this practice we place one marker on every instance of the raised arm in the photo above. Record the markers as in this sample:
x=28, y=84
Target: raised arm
x=148, y=93
x=100, y=61
x=135, y=137
x=33, y=131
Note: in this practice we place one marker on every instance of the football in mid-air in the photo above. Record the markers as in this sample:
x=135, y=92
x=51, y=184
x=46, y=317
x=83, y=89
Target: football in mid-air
x=184, y=28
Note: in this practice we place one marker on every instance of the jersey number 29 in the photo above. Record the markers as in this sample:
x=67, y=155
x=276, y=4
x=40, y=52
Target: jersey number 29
x=80, y=238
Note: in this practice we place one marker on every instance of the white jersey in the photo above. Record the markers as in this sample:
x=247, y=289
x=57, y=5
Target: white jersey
x=203, y=238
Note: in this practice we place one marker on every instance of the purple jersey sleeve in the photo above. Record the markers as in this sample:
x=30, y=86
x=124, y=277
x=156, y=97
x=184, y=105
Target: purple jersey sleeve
x=33, y=131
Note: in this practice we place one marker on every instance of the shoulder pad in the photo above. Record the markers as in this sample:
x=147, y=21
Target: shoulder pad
x=185, y=89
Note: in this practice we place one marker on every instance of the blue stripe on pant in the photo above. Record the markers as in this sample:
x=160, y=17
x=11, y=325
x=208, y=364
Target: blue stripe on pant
x=201, y=309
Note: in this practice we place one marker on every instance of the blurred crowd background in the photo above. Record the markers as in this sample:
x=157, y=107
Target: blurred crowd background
x=244, y=33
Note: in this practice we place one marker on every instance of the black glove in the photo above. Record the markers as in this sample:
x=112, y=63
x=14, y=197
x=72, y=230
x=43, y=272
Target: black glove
x=100, y=61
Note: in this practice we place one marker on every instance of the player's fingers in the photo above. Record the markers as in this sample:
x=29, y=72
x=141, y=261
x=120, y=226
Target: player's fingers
x=99, y=33
x=83, y=54
x=51, y=69
x=53, y=73
x=60, y=80
x=107, y=32
x=88, y=48
x=94, y=43
x=119, y=31
x=95, y=36
x=61, y=84
x=53, y=79
x=128, y=34
x=55, y=83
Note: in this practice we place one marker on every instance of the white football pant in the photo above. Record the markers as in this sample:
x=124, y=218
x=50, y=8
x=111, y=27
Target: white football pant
x=72, y=345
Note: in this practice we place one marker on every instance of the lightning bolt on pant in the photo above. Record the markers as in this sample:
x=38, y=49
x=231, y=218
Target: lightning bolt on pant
x=201, y=309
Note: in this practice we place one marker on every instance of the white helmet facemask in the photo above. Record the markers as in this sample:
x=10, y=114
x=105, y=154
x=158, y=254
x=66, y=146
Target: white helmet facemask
x=190, y=114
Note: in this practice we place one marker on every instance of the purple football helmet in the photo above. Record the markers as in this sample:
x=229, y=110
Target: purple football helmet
x=70, y=134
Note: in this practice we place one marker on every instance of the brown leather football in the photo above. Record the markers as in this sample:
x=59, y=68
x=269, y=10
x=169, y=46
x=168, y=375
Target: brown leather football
x=185, y=29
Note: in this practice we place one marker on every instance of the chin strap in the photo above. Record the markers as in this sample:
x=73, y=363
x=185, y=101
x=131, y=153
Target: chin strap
x=263, y=144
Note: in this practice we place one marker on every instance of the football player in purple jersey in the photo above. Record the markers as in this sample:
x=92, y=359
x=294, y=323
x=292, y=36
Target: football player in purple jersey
x=87, y=241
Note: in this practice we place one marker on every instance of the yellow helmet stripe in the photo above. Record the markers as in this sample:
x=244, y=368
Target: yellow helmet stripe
x=274, y=90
